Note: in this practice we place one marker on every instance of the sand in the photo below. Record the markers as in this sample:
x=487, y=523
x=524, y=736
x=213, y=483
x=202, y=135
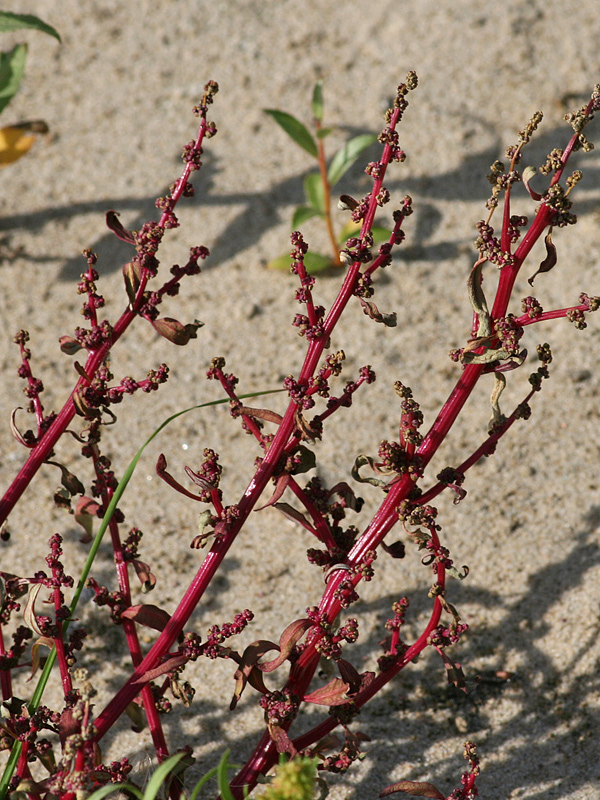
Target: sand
x=117, y=96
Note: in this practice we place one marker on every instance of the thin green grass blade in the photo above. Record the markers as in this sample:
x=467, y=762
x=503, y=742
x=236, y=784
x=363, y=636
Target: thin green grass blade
x=222, y=782
x=112, y=788
x=160, y=775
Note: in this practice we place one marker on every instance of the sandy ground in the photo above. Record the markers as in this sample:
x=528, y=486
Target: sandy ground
x=117, y=97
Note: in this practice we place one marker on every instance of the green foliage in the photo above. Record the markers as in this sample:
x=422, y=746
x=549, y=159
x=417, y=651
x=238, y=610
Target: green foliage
x=13, y=22
x=318, y=185
x=12, y=63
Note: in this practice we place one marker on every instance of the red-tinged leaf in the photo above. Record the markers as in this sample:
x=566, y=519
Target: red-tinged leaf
x=283, y=743
x=255, y=679
x=69, y=345
x=149, y=615
x=112, y=220
x=205, y=485
x=335, y=693
x=35, y=653
x=549, y=261
x=247, y=663
x=416, y=788
x=295, y=516
x=85, y=513
x=68, y=725
x=280, y=486
x=142, y=570
x=29, y=610
x=166, y=666
x=291, y=635
x=295, y=130
x=175, y=331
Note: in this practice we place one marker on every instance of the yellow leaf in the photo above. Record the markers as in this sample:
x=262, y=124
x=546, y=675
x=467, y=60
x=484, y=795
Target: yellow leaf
x=16, y=140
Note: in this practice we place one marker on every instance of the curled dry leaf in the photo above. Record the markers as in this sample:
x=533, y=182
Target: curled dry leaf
x=144, y=573
x=113, y=222
x=29, y=610
x=35, y=653
x=416, y=788
x=371, y=310
x=175, y=331
x=549, y=261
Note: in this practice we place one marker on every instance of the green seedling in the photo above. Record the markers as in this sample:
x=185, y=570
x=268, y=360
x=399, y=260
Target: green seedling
x=318, y=185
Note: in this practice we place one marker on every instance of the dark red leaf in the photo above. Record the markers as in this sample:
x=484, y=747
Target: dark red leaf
x=349, y=675
x=112, y=220
x=283, y=743
x=292, y=634
x=149, y=615
x=166, y=666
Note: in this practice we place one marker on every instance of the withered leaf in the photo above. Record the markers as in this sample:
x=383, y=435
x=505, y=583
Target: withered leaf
x=549, y=261
x=371, y=310
x=417, y=788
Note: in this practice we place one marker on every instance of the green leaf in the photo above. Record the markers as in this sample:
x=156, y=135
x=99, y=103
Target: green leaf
x=295, y=130
x=14, y=22
x=281, y=263
x=12, y=67
x=323, y=132
x=160, y=775
x=115, y=788
x=315, y=263
x=317, y=101
x=301, y=214
x=347, y=155
x=313, y=189
x=380, y=234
